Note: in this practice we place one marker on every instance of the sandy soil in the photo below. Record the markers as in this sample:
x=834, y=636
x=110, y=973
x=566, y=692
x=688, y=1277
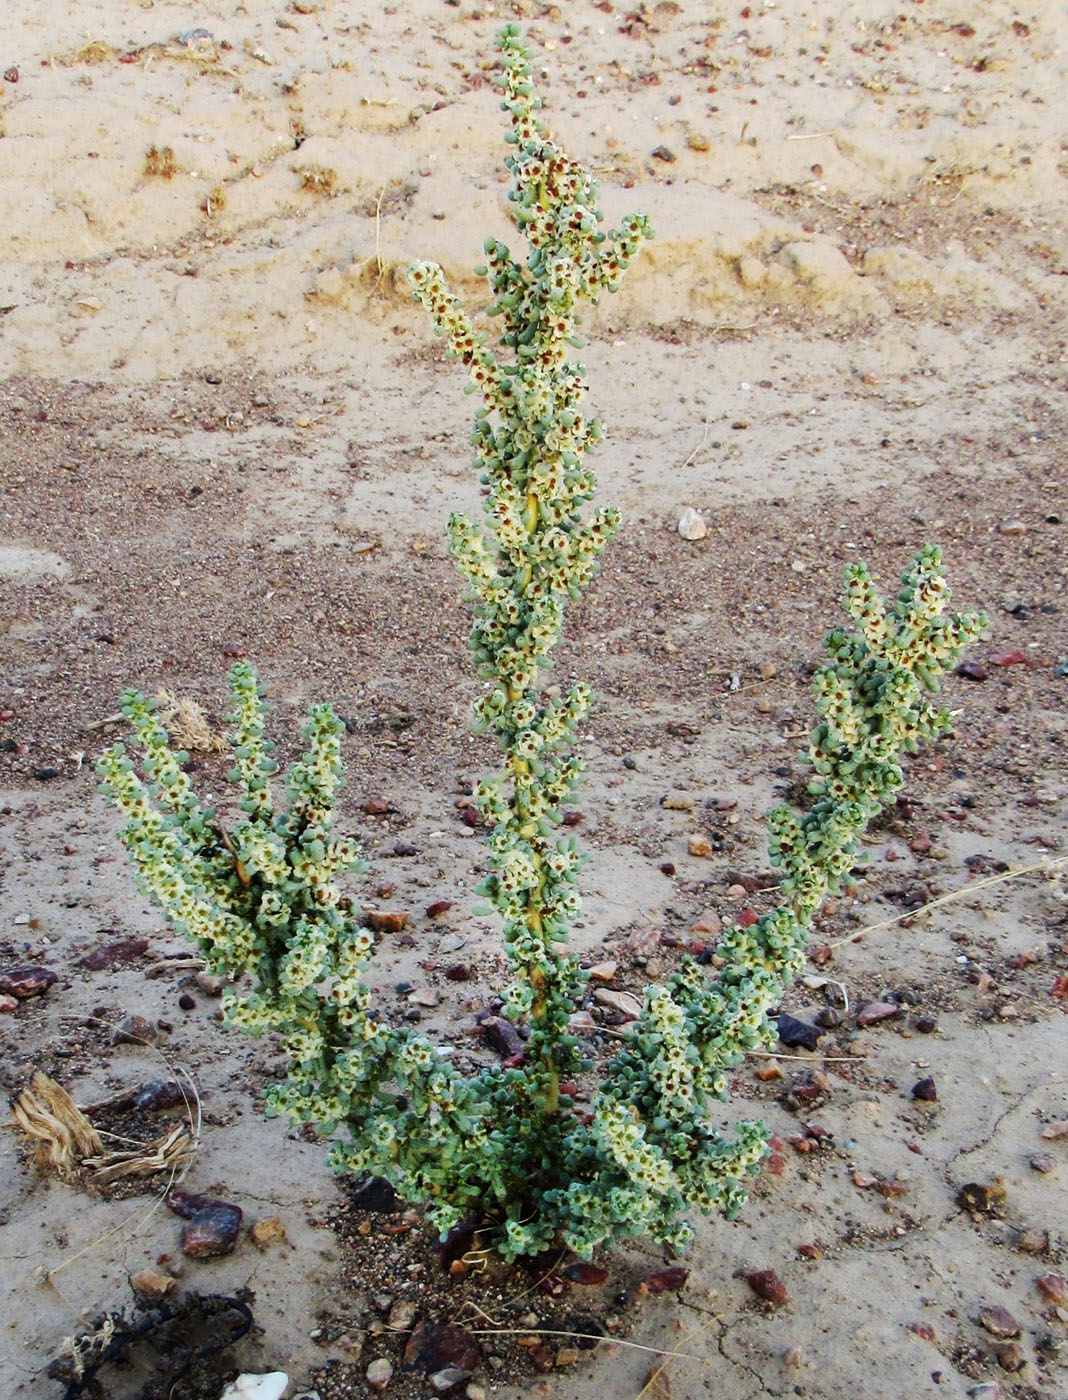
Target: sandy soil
x=223, y=427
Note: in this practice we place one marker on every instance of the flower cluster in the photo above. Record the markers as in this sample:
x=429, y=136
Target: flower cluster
x=257, y=887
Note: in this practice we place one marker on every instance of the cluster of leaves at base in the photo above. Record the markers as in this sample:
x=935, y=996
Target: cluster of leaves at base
x=261, y=899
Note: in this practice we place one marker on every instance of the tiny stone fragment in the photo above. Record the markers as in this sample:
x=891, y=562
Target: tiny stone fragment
x=1043, y=1162
x=447, y=1378
x=924, y=1089
x=699, y=845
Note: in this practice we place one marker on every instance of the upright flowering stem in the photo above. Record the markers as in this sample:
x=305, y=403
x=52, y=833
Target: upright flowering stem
x=536, y=549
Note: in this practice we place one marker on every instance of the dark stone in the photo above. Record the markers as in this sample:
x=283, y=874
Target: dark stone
x=433, y=1346
x=502, y=1036
x=924, y=1089
x=827, y=1018
x=924, y=1025
x=186, y=1002
x=376, y=1195
x=190, y=1203
x=44, y=775
x=797, y=1034
x=156, y=1096
x=455, y=1245
x=588, y=1274
x=211, y=1231
x=972, y=670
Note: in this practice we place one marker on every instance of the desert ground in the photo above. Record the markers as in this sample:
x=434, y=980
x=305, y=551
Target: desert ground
x=225, y=430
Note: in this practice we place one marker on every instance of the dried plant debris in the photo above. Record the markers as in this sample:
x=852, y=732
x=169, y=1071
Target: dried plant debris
x=187, y=722
x=319, y=179
x=61, y=1133
x=160, y=163
x=171, y=1152
x=182, y=1345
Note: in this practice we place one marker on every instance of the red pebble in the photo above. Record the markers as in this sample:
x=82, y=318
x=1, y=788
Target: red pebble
x=1016, y=657
x=767, y=1284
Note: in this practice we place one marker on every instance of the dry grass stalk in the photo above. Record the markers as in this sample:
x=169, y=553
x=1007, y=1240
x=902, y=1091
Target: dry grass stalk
x=167, y=1153
x=187, y=723
x=61, y=1133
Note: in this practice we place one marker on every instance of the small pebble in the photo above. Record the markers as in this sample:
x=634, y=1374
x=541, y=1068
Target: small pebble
x=1033, y=1241
x=924, y=1090
x=972, y=670
x=1043, y=1162
x=212, y=1231
x=691, y=525
x=267, y=1231
x=134, y=1030
x=1054, y=1287
x=998, y=1321
x=877, y=1011
x=767, y=1284
x=1010, y=1356
x=796, y=1034
x=379, y=1373
x=402, y=1315
x=676, y=801
x=23, y=982
x=664, y=153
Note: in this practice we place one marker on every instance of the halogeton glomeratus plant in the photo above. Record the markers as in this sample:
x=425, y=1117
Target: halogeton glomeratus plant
x=260, y=894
